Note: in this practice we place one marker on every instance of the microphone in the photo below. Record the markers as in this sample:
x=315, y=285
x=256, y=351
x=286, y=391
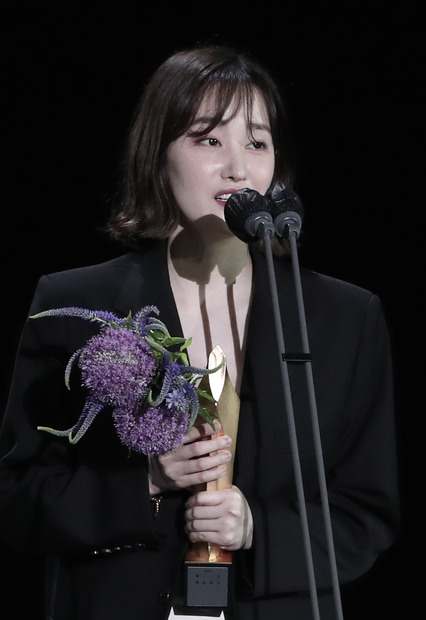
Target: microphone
x=247, y=215
x=286, y=208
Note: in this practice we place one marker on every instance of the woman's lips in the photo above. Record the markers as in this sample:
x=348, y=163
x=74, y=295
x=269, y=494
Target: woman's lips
x=223, y=195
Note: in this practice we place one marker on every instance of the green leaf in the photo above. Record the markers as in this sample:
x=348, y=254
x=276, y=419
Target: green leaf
x=207, y=415
x=186, y=344
x=128, y=320
x=206, y=395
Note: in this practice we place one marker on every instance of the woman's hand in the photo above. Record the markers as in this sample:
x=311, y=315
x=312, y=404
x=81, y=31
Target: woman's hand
x=220, y=517
x=195, y=462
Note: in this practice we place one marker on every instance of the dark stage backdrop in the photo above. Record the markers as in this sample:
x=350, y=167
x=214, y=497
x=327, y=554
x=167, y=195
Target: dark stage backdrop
x=353, y=73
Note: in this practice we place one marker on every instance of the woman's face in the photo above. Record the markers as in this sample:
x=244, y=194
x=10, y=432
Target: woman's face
x=204, y=171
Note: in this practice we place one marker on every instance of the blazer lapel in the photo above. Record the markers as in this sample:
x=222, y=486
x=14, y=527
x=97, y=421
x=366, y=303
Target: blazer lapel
x=147, y=284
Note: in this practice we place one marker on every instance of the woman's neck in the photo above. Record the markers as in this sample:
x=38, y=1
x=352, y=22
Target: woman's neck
x=206, y=259
x=212, y=285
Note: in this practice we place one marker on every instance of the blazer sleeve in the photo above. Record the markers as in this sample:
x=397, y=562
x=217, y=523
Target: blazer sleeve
x=56, y=497
x=362, y=483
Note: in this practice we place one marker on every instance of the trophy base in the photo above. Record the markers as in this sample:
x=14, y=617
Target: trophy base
x=207, y=585
x=207, y=579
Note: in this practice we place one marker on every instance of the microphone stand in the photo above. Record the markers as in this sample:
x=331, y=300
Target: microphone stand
x=266, y=231
x=315, y=427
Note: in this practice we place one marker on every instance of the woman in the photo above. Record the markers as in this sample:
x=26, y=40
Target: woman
x=115, y=525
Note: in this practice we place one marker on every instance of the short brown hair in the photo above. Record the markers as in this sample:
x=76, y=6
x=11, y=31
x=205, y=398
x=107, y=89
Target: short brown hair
x=167, y=109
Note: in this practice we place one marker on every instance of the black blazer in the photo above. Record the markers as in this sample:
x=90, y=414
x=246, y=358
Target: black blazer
x=87, y=506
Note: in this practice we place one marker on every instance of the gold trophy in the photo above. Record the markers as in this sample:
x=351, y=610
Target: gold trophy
x=207, y=566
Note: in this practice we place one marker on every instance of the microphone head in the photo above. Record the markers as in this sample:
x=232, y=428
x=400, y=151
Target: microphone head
x=283, y=198
x=241, y=209
x=286, y=208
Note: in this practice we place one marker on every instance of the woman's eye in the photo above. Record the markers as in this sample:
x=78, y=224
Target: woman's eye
x=257, y=145
x=210, y=141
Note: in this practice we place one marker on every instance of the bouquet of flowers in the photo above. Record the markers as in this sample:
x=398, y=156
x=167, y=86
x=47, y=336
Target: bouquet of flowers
x=136, y=367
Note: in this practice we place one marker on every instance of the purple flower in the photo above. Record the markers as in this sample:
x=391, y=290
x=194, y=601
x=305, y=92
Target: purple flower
x=138, y=368
x=151, y=430
x=177, y=399
x=100, y=316
x=117, y=367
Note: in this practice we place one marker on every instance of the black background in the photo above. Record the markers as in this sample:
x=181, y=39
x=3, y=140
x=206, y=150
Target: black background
x=353, y=73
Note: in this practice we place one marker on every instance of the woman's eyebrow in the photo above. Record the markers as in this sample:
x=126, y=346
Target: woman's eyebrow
x=204, y=120
x=260, y=127
x=207, y=120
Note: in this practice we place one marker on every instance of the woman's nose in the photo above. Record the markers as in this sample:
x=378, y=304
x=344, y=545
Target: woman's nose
x=234, y=164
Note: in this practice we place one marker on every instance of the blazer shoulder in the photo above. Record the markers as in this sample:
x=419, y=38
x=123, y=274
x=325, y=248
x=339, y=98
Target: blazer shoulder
x=99, y=283
x=88, y=272
x=329, y=284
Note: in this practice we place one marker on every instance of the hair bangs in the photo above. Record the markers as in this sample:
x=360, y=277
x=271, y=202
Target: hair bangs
x=219, y=100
